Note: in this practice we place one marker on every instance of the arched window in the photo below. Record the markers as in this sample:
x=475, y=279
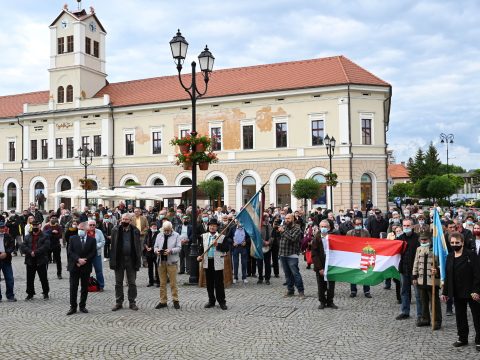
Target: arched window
x=11, y=196
x=322, y=199
x=40, y=197
x=248, y=188
x=64, y=186
x=131, y=182
x=69, y=93
x=365, y=190
x=158, y=182
x=284, y=190
x=60, y=95
x=186, y=181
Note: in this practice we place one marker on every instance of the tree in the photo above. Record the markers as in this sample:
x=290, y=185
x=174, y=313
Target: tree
x=306, y=189
x=452, y=169
x=431, y=161
x=402, y=190
x=416, y=167
x=441, y=187
x=212, y=188
x=421, y=187
x=457, y=181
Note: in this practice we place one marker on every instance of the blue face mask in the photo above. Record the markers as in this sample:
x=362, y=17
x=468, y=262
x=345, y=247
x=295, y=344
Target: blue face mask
x=81, y=233
x=358, y=227
x=407, y=230
x=324, y=231
x=205, y=219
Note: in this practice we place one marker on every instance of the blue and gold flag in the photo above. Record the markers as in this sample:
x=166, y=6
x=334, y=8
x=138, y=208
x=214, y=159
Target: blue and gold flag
x=439, y=244
x=251, y=219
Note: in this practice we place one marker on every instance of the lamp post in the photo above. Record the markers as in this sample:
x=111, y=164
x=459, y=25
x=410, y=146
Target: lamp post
x=179, y=47
x=330, y=145
x=86, y=157
x=447, y=139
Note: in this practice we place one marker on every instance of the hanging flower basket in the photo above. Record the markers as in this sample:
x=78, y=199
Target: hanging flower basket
x=331, y=179
x=87, y=184
x=187, y=166
x=203, y=165
x=184, y=148
x=200, y=147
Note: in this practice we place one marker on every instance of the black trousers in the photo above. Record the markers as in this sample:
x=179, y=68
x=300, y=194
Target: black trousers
x=57, y=258
x=185, y=258
x=267, y=260
x=275, y=265
x=215, y=288
x=76, y=277
x=427, y=300
x=152, y=270
x=42, y=274
x=251, y=265
x=106, y=249
x=325, y=287
x=462, y=321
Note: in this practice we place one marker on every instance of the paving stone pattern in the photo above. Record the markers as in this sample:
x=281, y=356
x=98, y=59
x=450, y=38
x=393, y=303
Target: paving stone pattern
x=259, y=324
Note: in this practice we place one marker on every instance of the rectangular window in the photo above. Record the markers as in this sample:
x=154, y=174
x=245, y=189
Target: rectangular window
x=317, y=132
x=88, y=45
x=69, y=147
x=85, y=142
x=33, y=149
x=366, y=131
x=96, y=49
x=11, y=151
x=184, y=132
x=156, y=142
x=97, y=145
x=247, y=137
x=44, y=149
x=59, y=148
x=129, y=144
x=69, y=43
x=60, y=45
x=216, y=135
x=281, y=134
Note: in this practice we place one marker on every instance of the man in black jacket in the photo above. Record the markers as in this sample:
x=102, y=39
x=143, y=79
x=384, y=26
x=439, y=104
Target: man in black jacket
x=7, y=246
x=377, y=224
x=81, y=252
x=36, y=247
x=411, y=243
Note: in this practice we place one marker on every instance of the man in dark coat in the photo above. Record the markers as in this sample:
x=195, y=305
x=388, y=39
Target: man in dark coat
x=125, y=257
x=36, y=247
x=7, y=247
x=81, y=252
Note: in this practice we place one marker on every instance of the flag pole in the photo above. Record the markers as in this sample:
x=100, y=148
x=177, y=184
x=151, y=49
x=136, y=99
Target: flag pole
x=226, y=227
x=432, y=316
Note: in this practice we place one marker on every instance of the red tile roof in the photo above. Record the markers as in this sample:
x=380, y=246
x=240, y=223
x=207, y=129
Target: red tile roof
x=313, y=73
x=397, y=171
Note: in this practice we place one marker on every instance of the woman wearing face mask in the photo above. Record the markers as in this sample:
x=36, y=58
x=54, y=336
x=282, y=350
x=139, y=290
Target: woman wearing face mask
x=462, y=282
x=71, y=230
x=422, y=272
x=308, y=235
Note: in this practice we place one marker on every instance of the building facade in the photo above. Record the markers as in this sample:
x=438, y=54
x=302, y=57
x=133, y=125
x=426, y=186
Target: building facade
x=270, y=121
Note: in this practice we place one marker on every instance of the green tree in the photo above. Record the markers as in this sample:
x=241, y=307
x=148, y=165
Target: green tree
x=421, y=187
x=431, y=161
x=306, y=189
x=212, y=188
x=402, y=190
x=416, y=168
x=457, y=181
x=452, y=169
x=441, y=186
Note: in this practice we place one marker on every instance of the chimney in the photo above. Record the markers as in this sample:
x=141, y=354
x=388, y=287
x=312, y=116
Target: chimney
x=403, y=163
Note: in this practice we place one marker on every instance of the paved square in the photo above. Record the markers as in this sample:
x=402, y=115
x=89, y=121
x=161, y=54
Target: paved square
x=259, y=324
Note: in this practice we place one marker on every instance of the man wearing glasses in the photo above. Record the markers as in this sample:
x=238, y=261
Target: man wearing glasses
x=406, y=267
x=97, y=263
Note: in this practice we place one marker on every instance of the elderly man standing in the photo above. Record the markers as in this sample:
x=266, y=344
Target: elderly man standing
x=7, y=247
x=167, y=247
x=359, y=231
x=289, y=253
x=93, y=232
x=125, y=257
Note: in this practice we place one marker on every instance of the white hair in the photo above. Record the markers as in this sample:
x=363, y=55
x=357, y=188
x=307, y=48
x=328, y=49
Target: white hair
x=167, y=225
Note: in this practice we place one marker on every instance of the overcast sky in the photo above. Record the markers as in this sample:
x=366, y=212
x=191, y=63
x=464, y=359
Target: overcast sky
x=428, y=50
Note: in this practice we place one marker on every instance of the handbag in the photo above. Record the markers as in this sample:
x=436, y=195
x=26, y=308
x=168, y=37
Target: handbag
x=308, y=257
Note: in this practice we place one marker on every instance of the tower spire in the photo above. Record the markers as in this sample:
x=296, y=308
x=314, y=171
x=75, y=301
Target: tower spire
x=79, y=5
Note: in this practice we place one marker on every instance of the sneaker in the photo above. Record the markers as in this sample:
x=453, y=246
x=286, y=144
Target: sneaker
x=245, y=281
x=402, y=317
x=235, y=281
x=301, y=295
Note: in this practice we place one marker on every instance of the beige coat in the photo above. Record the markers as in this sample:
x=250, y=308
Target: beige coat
x=218, y=256
x=419, y=266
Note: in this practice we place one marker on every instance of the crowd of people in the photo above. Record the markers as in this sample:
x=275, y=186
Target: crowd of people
x=129, y=237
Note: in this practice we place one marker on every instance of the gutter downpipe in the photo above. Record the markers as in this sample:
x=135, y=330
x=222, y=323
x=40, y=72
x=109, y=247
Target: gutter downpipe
x=21, y=162
x=112, y=168
x=387, y=105
x=350, y=146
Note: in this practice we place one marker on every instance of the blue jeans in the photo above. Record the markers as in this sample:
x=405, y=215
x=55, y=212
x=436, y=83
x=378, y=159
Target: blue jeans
x=292, y=274
x=98, y=266
x=8, y=275
x=406, y=284
x=353, y=288
x=242, y=251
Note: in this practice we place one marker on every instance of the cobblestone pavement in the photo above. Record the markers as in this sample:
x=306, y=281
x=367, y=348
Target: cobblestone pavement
x=259, y=324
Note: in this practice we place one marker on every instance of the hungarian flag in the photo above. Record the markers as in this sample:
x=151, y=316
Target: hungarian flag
x=360, y=260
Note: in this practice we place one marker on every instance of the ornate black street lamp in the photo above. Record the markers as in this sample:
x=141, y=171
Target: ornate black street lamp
x=86, y=157
x=179, y=48
x=330, y=145
x=447, y=139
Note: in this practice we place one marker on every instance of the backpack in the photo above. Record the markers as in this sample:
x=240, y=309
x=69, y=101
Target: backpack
x=93, y=285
